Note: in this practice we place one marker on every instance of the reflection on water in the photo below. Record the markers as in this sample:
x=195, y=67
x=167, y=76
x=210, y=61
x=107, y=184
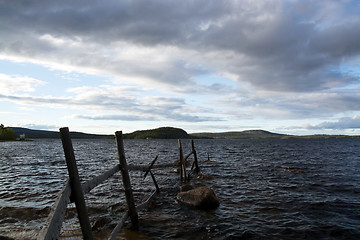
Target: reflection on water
x=269, y=189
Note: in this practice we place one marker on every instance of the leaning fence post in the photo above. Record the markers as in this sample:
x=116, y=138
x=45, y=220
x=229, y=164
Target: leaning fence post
x=197, y=169
x=126, y=180
x=75, y=184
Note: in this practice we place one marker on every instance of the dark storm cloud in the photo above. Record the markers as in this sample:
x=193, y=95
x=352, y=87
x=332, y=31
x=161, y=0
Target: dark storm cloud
x=296, y=46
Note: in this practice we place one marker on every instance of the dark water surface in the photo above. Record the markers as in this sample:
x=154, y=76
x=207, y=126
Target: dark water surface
x=269, y=189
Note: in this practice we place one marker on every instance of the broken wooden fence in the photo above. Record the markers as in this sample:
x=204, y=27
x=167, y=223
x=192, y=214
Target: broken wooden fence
x=73, y=190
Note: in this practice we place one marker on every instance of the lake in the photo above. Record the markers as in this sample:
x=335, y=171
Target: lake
x=269, y=188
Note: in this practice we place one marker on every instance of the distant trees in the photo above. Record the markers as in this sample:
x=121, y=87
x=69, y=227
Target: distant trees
x=158, y=133
x=7, y=134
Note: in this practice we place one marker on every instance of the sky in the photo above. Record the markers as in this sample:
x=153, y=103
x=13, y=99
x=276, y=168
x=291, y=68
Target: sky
x=286, y=66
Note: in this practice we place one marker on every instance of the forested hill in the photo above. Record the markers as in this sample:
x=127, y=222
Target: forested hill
x=158, y=133
x=170, y=133
x=30, y=133
x=241, y=134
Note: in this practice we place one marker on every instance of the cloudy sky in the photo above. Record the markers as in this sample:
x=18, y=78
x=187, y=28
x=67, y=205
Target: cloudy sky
x=201, y=65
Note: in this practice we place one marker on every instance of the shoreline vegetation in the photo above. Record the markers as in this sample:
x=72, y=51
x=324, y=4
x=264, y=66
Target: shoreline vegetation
x=7, y=134
x=169, y=133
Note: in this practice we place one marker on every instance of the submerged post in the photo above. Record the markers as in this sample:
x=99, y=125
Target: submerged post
x=126, y=180
x=76, y=189
x=197, y=169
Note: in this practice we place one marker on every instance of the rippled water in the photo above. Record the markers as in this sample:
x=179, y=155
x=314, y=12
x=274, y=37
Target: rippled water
x=269, y=189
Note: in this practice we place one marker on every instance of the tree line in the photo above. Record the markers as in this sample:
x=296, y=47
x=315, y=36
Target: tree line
x=6, y=133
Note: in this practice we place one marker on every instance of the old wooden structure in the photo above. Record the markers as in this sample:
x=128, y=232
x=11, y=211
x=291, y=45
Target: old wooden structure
x=73, y=190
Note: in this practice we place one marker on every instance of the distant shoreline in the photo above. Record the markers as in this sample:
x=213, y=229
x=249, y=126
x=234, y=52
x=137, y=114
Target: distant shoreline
x=175, y=133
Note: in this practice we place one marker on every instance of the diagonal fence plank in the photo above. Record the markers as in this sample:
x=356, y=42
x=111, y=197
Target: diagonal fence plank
x=52, y=226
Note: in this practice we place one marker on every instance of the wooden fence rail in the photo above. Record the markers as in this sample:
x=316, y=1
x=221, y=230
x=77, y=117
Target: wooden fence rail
x=73, y=190
x=52, y=226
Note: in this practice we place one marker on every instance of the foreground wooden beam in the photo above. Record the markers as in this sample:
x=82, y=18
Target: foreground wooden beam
x=52, y=226
x=76, y=189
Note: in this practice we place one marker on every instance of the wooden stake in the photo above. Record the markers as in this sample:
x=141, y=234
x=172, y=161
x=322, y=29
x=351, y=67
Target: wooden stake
x=126, y=181
x=182, y=163
x=75, y=184
x=152, y=163
x=154, y=180
x=197, y=169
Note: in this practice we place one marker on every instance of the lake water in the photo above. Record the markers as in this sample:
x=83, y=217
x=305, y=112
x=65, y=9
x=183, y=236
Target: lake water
x=269, y=189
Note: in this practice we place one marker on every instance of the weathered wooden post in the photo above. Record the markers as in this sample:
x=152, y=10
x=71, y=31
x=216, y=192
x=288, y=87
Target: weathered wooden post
x=197, y=169
x=76, y=190
x=126, y=180
x=182, y=163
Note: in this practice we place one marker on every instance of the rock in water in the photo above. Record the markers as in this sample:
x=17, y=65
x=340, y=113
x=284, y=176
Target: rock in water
x=201, y=197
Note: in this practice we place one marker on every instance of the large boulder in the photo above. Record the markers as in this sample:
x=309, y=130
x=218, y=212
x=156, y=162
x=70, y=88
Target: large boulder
x=200, y=197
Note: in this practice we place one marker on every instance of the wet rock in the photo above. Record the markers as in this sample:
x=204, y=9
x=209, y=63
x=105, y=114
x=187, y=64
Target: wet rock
x=294, y=170
x=204, y=176
x=189, y=186
x=177, y=161
x=186, y=187
x=210, y=162
x=200, y=197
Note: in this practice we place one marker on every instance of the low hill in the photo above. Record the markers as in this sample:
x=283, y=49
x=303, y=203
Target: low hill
x=158, y=133
x=241, y=134
x=30, y=133
x=170, y=133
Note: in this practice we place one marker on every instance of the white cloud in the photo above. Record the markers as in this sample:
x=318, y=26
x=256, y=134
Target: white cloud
x=342, y=123
x=271, y=45
x=122, y=101
x=10, y=84
x=286, y=57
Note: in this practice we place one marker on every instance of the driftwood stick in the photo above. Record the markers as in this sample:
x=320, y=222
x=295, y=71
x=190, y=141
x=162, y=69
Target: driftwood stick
x=126, y=180
x=182, y=163
x=76, y=189
x=192, y=165
x=152, y=163
x=187, y=156
x=52, y=226
x=154, y=180
x=197, y=169
x=147, y=201
x=120, y=225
